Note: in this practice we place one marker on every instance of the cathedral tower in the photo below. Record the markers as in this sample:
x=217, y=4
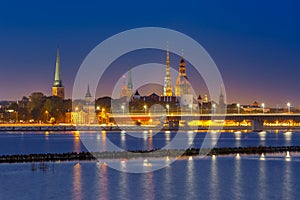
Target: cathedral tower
x=168, y=80
x=182, y=86
x=129, y=84
x=58, y=88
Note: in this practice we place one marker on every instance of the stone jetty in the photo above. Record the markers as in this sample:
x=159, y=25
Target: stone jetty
x=155, y=153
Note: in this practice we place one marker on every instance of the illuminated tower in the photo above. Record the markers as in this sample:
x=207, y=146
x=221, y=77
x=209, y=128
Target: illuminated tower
x=168, y=81
x=182, y=86
x=58, y=88
x=89, y=107
x=129, y=84
x=88, y=96
x=124, y=91
x=222, y=105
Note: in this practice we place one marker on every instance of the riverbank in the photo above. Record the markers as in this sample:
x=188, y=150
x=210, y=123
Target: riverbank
x=87, y=156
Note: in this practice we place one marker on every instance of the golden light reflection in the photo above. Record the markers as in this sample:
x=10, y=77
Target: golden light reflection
x=103, y=141
x=149, y=185
x=77, y=141
x=103, y=181
x=77, y=188
x=150, y=140
x=47, y=135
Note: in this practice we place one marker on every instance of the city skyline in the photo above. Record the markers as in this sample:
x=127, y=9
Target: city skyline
x=255, y=51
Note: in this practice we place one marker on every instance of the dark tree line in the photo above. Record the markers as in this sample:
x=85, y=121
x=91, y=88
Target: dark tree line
x=37, y=108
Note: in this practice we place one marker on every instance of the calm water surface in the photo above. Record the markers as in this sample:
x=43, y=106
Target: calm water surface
x=227, y=177
x=220, y=178
x=53, y=142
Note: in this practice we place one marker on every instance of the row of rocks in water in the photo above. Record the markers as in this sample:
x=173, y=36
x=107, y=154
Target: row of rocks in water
x=156, y=153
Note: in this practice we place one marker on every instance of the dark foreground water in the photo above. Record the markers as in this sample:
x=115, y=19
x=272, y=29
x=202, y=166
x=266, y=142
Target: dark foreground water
x=227, y=177
x=220, y=178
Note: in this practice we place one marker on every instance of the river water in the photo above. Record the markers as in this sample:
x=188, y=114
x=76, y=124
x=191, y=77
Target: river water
x=222, y=177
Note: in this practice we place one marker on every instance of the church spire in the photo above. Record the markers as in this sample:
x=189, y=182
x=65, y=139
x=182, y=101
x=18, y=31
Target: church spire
x=168, y=80
x=88, y=93
x=58, y=88
x=57, y=79
x=129, y=83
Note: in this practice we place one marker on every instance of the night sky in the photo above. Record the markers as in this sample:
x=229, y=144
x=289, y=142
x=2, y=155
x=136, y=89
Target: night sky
x=255, y=44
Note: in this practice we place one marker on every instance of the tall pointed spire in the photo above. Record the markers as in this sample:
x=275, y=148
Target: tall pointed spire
x=129, y=84
x=57, y=79
x=58, y=88
x=88, y=93
x=168, y=80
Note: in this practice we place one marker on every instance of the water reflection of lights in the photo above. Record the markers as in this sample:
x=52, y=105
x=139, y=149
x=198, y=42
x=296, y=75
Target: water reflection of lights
x=123, y=164
x=213, y=157
x=288, y=156
x=47, y=135
x=123, y=136
x=190, y=138
x=237, y=135
x=167, y=134
x=103, y=180
x=150, y=142
x=145, y=135
x=262, y=135
x=262, y=157
x=77, y=188
x=190, y=158
x=77, y=141
x=288, y=135
x=238, y=156
x=123, y=132
x=146, y=163
x=98, y=137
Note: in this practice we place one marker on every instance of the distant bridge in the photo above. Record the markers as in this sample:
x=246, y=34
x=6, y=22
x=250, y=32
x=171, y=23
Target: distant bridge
x=257, y=120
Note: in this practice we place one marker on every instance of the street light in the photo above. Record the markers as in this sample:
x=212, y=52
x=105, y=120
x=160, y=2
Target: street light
x=238, y=107
x=47, y=115
x=123, y=107
x=191, y=107
x=145, y=107
x=289, y=107
x=168, y=108
x=263, y=107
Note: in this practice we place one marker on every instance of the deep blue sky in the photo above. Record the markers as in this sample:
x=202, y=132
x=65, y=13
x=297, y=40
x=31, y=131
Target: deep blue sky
x=255, y=44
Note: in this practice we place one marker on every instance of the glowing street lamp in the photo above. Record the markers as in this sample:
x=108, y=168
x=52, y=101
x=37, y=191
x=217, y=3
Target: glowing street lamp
x=238, y=107
x=263, y=107
x=168, y=108
x=98, y=108
x=289, y=107
x=47, y=115
x=76, y=109
x=145, y=107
